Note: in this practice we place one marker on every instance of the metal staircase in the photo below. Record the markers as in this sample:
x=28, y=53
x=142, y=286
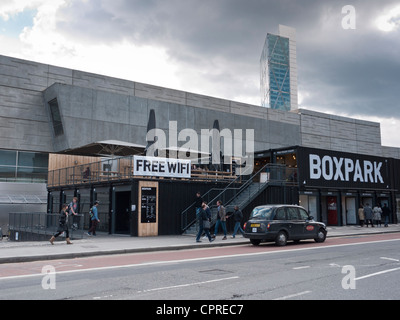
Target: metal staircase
x=238, y=193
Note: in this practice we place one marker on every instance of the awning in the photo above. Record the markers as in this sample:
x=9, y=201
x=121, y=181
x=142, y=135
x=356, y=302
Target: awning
x=109, y=147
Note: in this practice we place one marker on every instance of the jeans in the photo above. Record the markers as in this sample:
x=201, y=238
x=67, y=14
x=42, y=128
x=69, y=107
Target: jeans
x=386, y=221
x=206, y=231
x=200, y=232
x=237, y=228
x=223, y=224
x=93, y=227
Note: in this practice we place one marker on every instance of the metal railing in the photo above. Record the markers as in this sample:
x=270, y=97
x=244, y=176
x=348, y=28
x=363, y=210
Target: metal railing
x=119, y=168
x=39, y=226
x=242, y=191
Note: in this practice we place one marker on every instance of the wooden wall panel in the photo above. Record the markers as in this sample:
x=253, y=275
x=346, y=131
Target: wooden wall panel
x=61, y=161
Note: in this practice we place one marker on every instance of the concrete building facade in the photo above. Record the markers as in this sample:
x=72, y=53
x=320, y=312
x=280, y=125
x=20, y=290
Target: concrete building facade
x=95, y=108
x=46, y=109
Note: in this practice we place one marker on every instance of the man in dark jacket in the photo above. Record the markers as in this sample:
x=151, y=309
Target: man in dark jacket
x=386, y=214
x=237, y=217
x=221, y=219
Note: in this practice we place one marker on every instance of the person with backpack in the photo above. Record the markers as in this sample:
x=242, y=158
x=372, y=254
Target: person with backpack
x=62, y=225
x=94, y=218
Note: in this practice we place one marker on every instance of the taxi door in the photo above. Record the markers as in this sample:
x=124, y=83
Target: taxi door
x=296, y=225
x=309, y=229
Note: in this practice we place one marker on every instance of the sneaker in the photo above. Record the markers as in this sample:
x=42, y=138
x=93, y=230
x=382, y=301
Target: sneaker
x=198, y=241
x=89, y=234
x=233, y=237
x=212, y=240
x=224, y=238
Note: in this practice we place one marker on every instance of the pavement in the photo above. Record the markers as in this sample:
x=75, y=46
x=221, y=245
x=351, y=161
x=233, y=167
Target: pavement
x=104, y=244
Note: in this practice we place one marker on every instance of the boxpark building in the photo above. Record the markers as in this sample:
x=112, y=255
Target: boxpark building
x=76, y=134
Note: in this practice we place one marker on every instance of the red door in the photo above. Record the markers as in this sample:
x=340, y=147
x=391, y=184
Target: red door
x=332, y=211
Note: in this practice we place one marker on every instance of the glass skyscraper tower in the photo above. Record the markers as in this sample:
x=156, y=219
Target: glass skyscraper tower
x=279, y=70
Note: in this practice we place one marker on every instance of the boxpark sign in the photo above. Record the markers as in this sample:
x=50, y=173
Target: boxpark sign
x=321, y=168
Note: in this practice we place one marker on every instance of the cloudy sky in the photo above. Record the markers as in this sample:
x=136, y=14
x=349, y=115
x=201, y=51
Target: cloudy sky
x=213, y=47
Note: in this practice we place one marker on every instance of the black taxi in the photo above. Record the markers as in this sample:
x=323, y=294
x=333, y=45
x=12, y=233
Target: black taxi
x=281, y=223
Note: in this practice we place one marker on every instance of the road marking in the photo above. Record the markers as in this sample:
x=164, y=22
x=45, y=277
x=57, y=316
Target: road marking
x=188, y=285
x=154, y=263
x=390, y=259
x=300, y=268
x=335, y=265
x=293, y=295
x=376, y=274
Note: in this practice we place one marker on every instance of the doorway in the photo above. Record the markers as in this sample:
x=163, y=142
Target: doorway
x=332, y=211
x=122, y=212
x=351, y=217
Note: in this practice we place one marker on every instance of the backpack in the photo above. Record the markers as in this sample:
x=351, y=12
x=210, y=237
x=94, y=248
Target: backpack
x=91, y=213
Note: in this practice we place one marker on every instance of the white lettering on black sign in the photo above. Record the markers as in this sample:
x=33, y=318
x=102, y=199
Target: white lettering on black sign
x=345, y=169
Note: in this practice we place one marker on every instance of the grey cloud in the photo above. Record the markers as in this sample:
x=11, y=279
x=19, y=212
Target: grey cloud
x=220, y=43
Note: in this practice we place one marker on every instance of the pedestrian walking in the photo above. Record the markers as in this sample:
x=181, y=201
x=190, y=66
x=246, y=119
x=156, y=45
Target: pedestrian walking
x=205, y=224
x=386, y=214
x=94, y=218
x=62, y=225
x=198, y=201
x=221, y=219
x=361, y=215
x=73, y=210
x=377, y=211
x=237, y=217
x=368, y=215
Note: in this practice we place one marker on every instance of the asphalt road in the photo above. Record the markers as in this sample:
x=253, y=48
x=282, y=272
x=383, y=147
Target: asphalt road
x=298, y=271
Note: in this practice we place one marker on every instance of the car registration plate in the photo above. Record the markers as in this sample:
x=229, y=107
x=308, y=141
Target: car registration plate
x=255, y=225
x=254, y=230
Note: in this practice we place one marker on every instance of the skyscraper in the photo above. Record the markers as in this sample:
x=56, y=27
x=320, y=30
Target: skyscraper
x=279, y=70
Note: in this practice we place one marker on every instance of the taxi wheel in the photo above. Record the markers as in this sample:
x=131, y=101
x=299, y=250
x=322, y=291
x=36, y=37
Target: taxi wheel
x=321, y=236
x=281, y=239
x=255, y=242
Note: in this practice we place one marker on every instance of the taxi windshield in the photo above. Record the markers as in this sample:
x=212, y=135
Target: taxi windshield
x=262, y=213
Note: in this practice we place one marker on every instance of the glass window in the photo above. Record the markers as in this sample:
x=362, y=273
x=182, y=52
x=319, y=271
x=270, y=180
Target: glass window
x=303, y=214
x=31, y=159
x=8, y=158
x=32, y=174
x=292, y=213
x=7, y=173
x=56, y=118
x=280, y=214
x=262, y=213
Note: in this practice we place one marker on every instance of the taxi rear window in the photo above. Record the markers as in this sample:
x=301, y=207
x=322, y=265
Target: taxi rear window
x=262, y=213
